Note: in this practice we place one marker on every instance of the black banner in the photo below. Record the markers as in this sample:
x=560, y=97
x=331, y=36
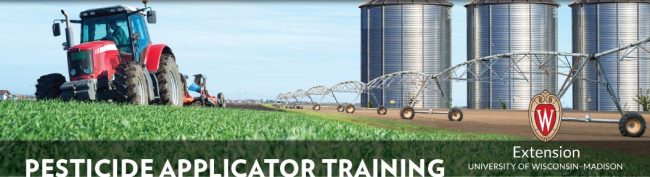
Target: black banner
x=311, y=158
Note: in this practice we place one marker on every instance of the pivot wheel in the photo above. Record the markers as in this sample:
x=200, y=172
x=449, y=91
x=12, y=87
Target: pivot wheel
x=169, y=81
x=340, y=108
x=382, y=110
x=632, y=124
x=350, y=109
x=407, y=113
x=48, y=86
x=455, y=114
x=222, y=100
x=316, y=107
x=130, y=83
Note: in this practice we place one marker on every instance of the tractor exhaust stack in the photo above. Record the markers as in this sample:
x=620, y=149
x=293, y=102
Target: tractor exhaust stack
x=69, y=38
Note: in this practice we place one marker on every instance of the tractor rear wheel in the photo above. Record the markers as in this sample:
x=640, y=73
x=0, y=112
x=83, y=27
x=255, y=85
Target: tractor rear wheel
x=382, y=110
x=340, y=108
x=222, y=100
x=407, y=113
x=632, y=124
x=131, y=85
x=350, y=109
x=169, y=81
x=455, y=114
x=316, y=107
x=48, y=86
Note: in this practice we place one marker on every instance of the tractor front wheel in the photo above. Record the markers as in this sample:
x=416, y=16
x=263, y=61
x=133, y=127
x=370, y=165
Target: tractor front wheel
x=455, y=114
x=169, y=81
x=407, y=113
x=632, y=124
x=131, y=85
x=48, y=86
x=382, y=110
x=350, y=109
x=316, y=107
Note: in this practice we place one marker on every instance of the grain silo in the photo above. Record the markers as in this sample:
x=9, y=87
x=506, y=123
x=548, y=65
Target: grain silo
x=405, y=35
x=601, y=25
x=503, y=26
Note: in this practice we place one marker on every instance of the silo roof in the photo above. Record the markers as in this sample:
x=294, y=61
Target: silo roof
x=580, y=2
x=398, y=2
x=484, y=2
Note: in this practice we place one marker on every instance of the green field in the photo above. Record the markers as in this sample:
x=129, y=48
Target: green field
x=55, y=120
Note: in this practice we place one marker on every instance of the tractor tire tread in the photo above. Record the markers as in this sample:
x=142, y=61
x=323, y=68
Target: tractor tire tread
x=48, y=86
x=126, y=82
x=167, y=63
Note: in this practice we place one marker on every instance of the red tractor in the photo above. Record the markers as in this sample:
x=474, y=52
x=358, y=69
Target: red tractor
x=115, y=61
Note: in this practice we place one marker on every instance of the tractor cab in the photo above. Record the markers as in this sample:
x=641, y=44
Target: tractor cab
x=123, y=25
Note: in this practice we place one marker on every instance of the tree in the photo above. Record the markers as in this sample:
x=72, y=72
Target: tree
x=503, y=104
x=643, y=99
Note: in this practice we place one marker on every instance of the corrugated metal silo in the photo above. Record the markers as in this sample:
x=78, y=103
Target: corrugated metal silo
x=503, y=26
x=601, y=25
x=405, y=35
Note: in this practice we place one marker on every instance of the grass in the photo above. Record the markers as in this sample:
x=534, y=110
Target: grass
x=55, y=120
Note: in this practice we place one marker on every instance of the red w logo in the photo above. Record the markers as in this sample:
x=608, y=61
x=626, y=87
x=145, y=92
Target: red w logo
x=545, y=118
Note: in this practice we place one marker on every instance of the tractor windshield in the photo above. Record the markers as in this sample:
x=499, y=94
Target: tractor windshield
x=114, y=28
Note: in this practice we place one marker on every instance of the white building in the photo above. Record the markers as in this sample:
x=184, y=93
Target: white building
x=4, y=95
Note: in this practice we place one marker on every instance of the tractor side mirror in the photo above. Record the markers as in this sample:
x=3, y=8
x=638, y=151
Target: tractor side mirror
x=151, y=16
x=56, y=30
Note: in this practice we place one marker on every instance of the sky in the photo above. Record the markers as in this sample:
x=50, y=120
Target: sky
x=248, y=50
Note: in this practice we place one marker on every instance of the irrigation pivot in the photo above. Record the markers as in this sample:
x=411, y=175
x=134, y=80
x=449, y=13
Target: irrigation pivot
x=630, y=124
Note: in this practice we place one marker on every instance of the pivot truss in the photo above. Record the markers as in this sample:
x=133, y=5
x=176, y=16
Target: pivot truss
x=293, y=98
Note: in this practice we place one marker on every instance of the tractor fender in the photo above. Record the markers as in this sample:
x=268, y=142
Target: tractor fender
x=152, y=56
